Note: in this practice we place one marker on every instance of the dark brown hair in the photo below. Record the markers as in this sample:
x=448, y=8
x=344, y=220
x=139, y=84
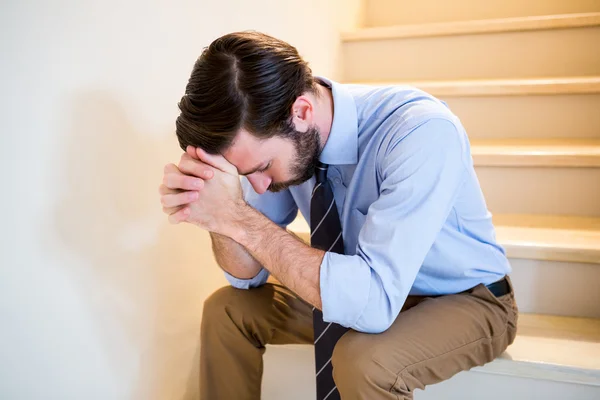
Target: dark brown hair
x=243, y=80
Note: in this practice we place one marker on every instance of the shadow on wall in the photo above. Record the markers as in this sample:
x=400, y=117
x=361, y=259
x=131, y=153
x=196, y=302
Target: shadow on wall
x=142, y=280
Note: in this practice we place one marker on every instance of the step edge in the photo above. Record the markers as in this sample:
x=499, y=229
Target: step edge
x=537, y=162
x=541, y=370
x=502, y=87
x=553, y=160
x=456, y=28
x=529, y=251
x=536, y=152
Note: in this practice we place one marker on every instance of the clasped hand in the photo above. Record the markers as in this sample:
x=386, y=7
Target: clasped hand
x=204, y=189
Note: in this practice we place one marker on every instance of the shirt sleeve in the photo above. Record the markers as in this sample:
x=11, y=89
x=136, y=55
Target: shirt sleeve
x=280, y=208
x=421, y=175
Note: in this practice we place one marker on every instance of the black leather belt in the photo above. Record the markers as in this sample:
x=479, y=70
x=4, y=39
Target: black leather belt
x=499, y=288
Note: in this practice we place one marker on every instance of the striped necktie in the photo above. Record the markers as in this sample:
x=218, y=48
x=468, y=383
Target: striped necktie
x=325, y=234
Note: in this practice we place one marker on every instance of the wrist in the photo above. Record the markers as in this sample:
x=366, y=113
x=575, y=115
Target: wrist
x=237, y=230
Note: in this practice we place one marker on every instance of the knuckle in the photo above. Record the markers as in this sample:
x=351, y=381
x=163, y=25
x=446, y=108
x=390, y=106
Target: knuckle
x=168, y=181
x=169, y=167
x=183, y=165
x=174, y=218
x=164, y=190
x=165, y=201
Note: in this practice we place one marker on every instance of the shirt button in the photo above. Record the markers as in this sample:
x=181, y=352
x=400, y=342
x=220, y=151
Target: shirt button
x=337, y=181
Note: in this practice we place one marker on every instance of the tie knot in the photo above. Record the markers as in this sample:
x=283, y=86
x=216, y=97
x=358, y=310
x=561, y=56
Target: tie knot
x=321, y=172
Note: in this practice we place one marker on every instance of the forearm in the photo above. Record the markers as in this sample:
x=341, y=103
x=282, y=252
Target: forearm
x=233, y=257
x=285, y=256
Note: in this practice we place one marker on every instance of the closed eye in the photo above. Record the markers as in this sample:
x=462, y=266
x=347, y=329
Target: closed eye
x=265, y=168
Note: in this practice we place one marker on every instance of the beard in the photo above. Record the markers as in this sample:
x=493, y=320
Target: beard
x=308, y=148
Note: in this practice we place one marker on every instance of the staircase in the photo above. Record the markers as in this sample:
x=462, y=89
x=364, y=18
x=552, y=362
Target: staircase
x=524, y=78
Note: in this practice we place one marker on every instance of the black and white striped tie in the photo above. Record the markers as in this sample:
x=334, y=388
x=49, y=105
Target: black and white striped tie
x=325, y=234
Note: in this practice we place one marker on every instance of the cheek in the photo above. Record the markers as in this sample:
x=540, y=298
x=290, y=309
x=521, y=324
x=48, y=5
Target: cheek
x=284, y=162
x=280, y=171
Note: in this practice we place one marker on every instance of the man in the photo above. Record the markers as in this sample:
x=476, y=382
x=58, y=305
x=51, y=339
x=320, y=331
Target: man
x=404, y=265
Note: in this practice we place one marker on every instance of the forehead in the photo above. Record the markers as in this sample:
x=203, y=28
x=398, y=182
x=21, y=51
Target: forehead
x=244, y=150
x=247, y=151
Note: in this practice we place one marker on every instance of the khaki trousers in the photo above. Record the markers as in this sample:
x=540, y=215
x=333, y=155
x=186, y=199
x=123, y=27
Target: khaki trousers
x=432, y=339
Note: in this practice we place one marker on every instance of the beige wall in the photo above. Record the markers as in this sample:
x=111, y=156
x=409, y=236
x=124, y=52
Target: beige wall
x=100, y=297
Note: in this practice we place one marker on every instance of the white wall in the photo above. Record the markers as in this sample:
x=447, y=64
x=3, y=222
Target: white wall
x=99, y=297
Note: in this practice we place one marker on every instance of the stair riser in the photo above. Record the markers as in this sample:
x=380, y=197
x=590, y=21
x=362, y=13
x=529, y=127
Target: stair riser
x=397, y=12
x=556, y=116
x=556, y=288
x=288, y=367
x=529, y=54
x=523, y=190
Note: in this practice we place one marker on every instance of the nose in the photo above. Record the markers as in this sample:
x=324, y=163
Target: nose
x=260, y=182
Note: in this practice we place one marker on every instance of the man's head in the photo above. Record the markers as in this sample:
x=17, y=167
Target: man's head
x=254, y=100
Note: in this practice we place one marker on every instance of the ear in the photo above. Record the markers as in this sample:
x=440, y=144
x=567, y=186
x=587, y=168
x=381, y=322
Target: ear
x=303, y=113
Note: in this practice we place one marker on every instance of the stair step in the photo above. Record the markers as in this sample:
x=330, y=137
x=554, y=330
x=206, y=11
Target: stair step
x=530, y=47
x=393, y=12
x=523, y=108
x=559, y=176
x=547, y=348
x=516, y=24
x=536, y=152
x=552, y=348
x=537, y=237
x=550, y=237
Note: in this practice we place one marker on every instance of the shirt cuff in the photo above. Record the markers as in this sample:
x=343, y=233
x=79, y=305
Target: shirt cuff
x=345, y=285
x=259, y=280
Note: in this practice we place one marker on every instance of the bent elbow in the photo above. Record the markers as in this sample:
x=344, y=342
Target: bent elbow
x=376, y=324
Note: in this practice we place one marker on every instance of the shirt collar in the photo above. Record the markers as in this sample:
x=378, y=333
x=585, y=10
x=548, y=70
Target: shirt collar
x=342, y=145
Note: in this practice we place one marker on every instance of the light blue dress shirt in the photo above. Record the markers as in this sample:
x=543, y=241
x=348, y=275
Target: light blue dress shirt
x=413, y=216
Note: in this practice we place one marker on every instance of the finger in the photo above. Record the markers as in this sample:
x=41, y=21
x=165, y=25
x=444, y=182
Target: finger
x=179, y=216
x=197, y=168
x=216, y=160
x=178, y=199
x=172, y=210
x=181, y=181
x=170, y=168
x=162, y=189
x=191, y=151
